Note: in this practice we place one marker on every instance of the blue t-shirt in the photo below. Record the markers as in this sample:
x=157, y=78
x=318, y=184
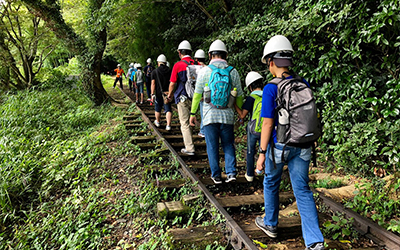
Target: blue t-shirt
x=270, y=93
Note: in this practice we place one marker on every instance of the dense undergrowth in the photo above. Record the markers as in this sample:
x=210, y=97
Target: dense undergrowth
x=70, y=178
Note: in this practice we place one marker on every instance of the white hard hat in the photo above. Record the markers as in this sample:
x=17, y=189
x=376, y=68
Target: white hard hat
x=148, y=60
x=251, y=77
x=278, y=44
x=135, y=65
x=138, y=65
x=217, y=45
x=131, y=65
x=119, y=65
x=162, y=58
x=184, y=45
x=200, y=54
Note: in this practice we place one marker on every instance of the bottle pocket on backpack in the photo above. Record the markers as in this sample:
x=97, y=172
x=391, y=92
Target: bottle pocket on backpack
x=283, y=125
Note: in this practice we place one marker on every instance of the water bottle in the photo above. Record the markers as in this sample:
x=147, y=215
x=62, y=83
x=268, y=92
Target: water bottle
x=232, y=98
x=207, y=94
x=283, y=125
x=258, y=171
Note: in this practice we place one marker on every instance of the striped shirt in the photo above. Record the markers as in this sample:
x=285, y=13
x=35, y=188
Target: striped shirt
x=214, y=115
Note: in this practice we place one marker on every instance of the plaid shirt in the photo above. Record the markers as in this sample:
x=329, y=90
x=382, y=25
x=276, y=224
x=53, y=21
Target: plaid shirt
x=213, y=115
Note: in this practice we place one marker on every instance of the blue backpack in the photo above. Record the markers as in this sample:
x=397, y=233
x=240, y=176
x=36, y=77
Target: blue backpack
x=220, y=86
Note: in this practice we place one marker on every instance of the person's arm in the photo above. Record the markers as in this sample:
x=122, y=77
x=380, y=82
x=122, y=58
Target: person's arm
x=153, y=90
x=241, y=112
x=266, y=132
x=239, y=101
x=195, y=104
x=171, y=89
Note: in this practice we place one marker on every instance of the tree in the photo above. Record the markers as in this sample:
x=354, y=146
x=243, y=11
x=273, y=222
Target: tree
x=22, y=48
x=88, y=50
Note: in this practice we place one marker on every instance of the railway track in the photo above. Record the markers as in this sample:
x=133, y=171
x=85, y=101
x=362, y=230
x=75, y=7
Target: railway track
x=231, y=199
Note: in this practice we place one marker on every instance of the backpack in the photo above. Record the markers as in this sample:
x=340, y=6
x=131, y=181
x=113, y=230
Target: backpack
x=256, y=121
x=139, y=76
x=191, y=72
x=149, y=70
x=296, y=112
x=220, y=86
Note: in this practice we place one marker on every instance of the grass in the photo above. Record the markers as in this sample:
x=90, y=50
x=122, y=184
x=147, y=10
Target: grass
x=69, y=178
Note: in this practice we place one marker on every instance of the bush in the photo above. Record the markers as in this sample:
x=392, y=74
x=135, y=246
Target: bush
x=44, y=143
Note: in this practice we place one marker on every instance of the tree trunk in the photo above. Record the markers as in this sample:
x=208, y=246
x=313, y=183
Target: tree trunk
x=50, y=12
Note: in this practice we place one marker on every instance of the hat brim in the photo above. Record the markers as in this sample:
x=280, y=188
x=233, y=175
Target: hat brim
x=281, y=62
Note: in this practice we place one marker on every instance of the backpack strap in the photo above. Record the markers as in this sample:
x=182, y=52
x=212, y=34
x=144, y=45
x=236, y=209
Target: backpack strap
x=188, y=63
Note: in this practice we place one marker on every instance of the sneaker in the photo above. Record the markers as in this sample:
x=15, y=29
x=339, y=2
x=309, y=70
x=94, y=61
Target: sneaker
x=157, y=123
x=217, y=179
x=271, y=231
x=201, y=135
x=248, y=178
x=316, y=246
x=148, y=99
x=184, y=151
x=141, y=102
x=168, y=127
x=230, y=178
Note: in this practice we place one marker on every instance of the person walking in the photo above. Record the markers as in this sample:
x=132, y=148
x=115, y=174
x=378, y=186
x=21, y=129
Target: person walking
x=252, y=106
x=178, y=79
x=148, y=69
x=119, y=71
x=200, y=58
x=131, y=70
x=278, y=56
x=219, y=118
x=159, y=87
x=138, y=81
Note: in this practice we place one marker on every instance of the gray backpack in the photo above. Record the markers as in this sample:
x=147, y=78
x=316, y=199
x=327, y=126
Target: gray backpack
x=296, y=112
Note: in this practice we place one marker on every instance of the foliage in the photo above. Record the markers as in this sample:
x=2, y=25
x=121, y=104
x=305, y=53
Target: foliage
x=39, y=140
x=340, y=228
x=378, y=200
x=25, y=44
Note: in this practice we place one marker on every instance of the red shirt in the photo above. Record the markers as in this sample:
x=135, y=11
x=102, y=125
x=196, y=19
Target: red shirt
x=178, y=76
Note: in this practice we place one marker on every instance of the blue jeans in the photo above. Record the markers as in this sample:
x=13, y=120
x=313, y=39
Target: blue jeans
x=214, y=132
x=139, y=87
x=298, y=160
x=201, y=117
x=251, y=151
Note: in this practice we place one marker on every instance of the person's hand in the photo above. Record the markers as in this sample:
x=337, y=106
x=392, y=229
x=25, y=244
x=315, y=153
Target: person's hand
x=192, y=121
x=261, y=162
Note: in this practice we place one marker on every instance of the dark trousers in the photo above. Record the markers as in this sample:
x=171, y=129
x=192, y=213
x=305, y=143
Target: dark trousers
x=148, y=87
x=120, y=82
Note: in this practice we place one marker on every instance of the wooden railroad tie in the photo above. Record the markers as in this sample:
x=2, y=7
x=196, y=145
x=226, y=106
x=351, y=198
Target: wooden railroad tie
x=200, y=236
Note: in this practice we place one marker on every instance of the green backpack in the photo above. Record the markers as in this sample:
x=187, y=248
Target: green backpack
x=256, y=121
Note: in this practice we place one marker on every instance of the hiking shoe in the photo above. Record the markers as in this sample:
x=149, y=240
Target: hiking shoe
x=316, y=246
x=184, y=151
x=271, y=231
x=157, y=123
x=249, y=178
x=217, y=179
x=230, y=178
x=148, y=99
x=201, y=135
x=168, y=127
